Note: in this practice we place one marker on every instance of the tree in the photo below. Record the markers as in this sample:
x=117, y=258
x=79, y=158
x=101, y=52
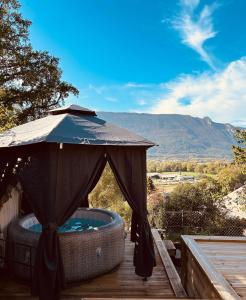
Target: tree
x=30, y=81
x=203, y=196
x=199, y=168
x=190, y=167
x=150, y=185
x=7, y=118
x=107, y=195
x=240, y=150
x=195, y=208
x=230, y=178
x=156, y=210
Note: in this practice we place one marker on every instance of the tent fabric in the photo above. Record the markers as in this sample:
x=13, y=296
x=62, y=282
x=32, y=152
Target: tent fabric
x=85, y=201
x=72, y=129
x=55, y=181
x=129, y=167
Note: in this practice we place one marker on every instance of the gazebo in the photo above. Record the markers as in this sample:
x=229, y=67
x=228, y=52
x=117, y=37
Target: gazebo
x=58, y=160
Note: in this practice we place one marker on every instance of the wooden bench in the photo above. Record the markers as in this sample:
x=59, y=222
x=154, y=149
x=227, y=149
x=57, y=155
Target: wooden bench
x=171, y=249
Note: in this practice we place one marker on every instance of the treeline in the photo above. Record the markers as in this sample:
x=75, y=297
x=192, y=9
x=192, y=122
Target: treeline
x=212, y=167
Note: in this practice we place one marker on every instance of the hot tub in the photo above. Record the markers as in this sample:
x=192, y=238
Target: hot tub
x=92, y=243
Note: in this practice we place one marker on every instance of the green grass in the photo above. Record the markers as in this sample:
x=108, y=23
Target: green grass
x=195, y=174
x=168, y=187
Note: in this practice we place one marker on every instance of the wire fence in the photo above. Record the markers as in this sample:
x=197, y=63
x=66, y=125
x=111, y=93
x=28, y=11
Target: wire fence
x=195, y=222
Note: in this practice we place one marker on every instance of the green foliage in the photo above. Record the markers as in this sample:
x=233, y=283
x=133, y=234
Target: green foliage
x=200, y=209
x=150, y=185
x=231, y=178
x=240, y=150
x=199, y=205
x=107, y=195
x=30, y=81
x=7, y=118
x=156, y=210
x=203, y=196
x=223, y=225
x=203, y=199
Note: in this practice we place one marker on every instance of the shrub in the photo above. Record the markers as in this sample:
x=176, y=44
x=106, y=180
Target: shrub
x=156, y=210
x=231, y=178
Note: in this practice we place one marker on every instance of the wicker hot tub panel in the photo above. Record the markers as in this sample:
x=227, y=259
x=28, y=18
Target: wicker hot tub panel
x=85, y=254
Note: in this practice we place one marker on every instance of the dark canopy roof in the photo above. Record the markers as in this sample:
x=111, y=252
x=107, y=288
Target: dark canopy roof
x=73, y=109
x=73, y=125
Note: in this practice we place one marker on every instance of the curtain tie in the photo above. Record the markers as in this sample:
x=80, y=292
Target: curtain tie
x=51, y=226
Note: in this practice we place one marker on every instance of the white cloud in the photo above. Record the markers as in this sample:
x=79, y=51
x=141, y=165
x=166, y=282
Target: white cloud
x=111, y=99
x=135, y=85
x=196, y=28
x=221, y=95
x=141, y=102
x=190, y=4
x=97, y=89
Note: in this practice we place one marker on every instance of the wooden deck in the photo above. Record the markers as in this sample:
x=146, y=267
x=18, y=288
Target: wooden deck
x=120, y=283
x=215, y=267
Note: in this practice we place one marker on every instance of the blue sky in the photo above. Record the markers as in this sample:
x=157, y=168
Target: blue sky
x=161, y=56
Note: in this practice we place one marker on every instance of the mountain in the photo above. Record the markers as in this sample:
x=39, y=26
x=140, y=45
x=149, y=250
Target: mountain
x=178, y=136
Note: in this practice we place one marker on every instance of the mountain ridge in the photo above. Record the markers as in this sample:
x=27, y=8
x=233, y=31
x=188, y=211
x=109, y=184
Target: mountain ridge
x=178, y=136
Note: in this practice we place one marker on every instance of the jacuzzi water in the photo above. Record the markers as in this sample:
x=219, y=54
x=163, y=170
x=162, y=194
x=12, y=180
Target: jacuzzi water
x=74, y=224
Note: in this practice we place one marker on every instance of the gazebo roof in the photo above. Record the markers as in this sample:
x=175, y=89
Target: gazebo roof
x=75, y=109
x=73, y=125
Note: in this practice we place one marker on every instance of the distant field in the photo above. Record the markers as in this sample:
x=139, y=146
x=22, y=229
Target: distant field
x=195, y=174
x=168, y=187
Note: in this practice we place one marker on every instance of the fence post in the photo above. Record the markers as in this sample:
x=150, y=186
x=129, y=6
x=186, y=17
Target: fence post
x=182, y=219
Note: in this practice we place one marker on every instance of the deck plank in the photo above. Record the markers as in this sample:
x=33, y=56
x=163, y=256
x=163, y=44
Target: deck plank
x=169, y=267
x=223, y=260
x=120, y=283
x=228, y=257
x=124, y=282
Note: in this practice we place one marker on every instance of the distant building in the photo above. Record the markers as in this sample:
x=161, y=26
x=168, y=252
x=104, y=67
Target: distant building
x=170, y=177
x=184, y=178
x=154, y=175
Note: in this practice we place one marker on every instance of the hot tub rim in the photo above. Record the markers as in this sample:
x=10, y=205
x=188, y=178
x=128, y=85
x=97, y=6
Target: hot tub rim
x=116, y=219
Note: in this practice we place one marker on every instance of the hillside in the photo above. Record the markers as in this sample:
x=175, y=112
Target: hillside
x=178, y=136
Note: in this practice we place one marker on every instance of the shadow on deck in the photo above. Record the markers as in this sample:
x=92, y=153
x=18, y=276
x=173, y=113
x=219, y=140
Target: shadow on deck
x=119, y=283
